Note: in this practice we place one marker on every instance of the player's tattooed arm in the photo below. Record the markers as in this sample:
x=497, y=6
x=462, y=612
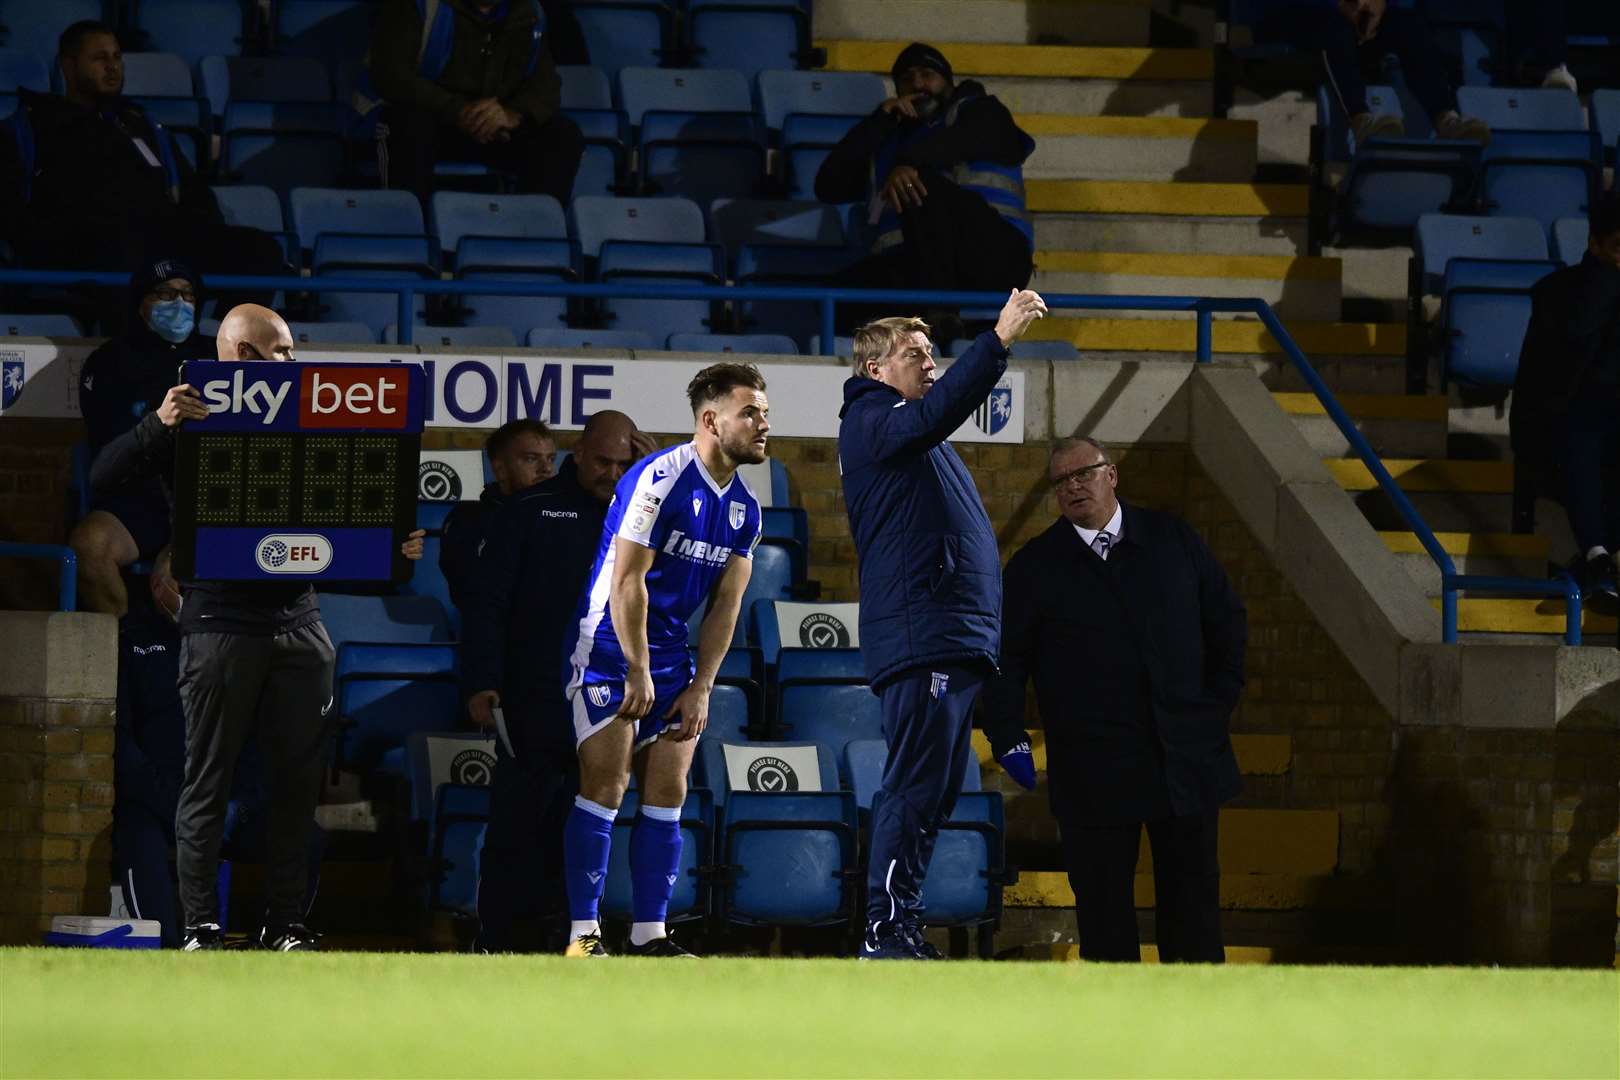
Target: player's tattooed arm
x=628, y=604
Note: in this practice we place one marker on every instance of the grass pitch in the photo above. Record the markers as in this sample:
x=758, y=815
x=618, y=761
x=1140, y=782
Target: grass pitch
x=91, y=1013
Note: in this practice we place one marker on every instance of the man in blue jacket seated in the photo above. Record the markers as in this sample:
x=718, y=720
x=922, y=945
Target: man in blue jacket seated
x=940, y=167
x=930, y=579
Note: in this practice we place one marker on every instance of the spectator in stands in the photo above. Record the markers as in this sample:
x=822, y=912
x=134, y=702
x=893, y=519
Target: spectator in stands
x=1135, y=641
x=477, y=85
x=930, y=590
x=542, y=542
x=1536, y=44
x=107, y=187
x=250, y=652
x=940, y=166
x=123, y=380
x=149, y=760
x=1342, y=30
x=521, y=454
x=1565, y=419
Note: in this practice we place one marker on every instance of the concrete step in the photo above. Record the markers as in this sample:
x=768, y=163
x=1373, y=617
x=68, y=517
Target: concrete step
x=1398, y=425
x=1098, y=97
x=1257, y=755
x=1166, y=199
x=1285, y=118
x=1487, y=615
x=1248, y=892
x=1010, y=22
x=1451, y=496
x=1228, y=338
x=1180, y=218
x=1495, y=554
x=1379, y=375
x=1374, y=280
x=1298, y=288
x=969, y=59
x=1158, y=148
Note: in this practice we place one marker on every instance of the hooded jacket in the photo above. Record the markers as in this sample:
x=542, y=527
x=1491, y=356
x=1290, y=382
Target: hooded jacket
x=930, y=574
x=491, y=56
x=461, y=542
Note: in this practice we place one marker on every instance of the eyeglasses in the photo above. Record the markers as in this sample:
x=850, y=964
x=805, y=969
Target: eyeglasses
x=166, y=294
x=1079, y=476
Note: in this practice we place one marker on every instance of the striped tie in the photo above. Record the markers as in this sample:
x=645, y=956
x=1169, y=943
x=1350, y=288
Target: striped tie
x=1100, y=544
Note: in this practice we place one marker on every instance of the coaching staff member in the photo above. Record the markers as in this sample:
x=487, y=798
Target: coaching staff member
x=524, y=599
x=254, y=657
x=1135, y=641
x=930, y=589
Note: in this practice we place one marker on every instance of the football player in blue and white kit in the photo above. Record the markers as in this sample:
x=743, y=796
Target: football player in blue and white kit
x=681, y=530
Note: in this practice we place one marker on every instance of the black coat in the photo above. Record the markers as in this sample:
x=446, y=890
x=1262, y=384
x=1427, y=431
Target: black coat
x=461, y=539
x=1137, y=662
x=1571, y=349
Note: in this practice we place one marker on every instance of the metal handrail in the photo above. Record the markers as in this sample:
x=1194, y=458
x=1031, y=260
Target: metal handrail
x=67, y=598
x=827, y=299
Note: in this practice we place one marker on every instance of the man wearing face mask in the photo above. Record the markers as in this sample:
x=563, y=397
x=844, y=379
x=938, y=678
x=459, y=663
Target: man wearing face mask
x=941, y=168
x=122, y=381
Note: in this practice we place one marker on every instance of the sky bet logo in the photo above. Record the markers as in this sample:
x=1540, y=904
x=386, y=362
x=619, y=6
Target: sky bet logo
x=328, y=397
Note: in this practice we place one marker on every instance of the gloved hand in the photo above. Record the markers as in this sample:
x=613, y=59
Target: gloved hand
x=1019, y=763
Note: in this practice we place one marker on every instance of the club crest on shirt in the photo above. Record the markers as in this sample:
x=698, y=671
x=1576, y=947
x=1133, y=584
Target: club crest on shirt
x=598, y=695
x=938, y=685
x=739, y=513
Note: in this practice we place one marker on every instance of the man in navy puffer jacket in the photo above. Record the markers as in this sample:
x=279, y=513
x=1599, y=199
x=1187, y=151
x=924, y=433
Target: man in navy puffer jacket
x=930, y=581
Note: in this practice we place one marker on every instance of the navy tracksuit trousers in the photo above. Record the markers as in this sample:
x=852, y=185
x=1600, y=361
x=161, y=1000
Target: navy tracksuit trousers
x=928, y=724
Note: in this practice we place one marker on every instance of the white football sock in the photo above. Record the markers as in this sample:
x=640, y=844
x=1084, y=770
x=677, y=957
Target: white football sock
x=643, y=932
x=579, y=928
x=1596, y=552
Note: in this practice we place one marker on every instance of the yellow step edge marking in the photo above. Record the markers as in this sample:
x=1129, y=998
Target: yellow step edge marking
x=1169, y=197
x=1257, y=755
x=1228, y=336
x=1504, y=545
x=1439, y=474
x=1070, y=954
x=1254, y=892
x=1258, y=267
x=1432, y=407
x=1049, y=61
x=1137, y=127
x=1481, y=615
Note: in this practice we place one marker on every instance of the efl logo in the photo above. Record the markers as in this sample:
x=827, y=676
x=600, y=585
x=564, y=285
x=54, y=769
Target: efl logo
x=294, y=553
x=335, y=398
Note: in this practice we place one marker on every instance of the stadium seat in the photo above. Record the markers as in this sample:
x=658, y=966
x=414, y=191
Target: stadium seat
x=655, y=241
x=730, y=714
x=763, y=344
x=1338, y=144
x=390, y=619
x=436, y=758
x=281, y=146
x=549, y=338
x=735, y=223
x=786, y=523
x=35, y=26
x=385, y=692
x=1569, y=240
x=23, y=70
x=156, y=74
x=1439, y=238
x=682, y=90
x=460, y=818
x=49, y=326
x=332, y=333
x=1485, y=314
x=282, y=79
x=843, y=347
x=691, y=898
x=375, y=233
x=806, y=140
x=506, y=238
x=831, y=714
x=1605, y=114
x=792, y=265
x=620, y=34
x=464, y=337
x=193, y=29
x=797, y=663
x=330, y=29
x=789, y=839
x=1517, y=109
x=257, y=207
x=1393, y=182
x=863, y=763
x=825, y=93
x=699, y=137
x=749, y=36
x=1544, y=175
x=456, y=214
x=594, y=220
x=585, y=87
x=775, y=626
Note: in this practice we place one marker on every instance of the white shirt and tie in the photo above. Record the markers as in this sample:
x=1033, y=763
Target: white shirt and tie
x=1103, y=540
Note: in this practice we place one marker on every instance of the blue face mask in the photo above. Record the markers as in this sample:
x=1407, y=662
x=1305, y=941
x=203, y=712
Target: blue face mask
x=172, y=320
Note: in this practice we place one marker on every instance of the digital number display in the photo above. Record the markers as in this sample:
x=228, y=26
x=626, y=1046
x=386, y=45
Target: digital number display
x=348, y=481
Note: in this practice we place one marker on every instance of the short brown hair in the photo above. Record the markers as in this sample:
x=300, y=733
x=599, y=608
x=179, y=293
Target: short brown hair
x=877, y=339
x=507, y=433
x=716, y=381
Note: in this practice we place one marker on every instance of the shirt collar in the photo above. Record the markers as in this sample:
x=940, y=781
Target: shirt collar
x=1115, y=527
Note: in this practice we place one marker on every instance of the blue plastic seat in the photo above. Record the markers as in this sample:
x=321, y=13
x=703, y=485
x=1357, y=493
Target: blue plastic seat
x=594, y=219
x=1569, y=239
x=1393, y=182
x=863, y=763
x=1544, y=175
x=156, y=74
x=385, y=693
x=281, y=145
x=831, y=714
x=48, y=325
x=19, y=69
x=730, y=713
x=1338, y=142
x=585, y=86
x=786, y=523
x=257, y=207
x=1513, y=108
x=763, y=344
x=1439, y=238
x=691, y=898
x=371, y=233
x=747, y=35
x=331, y=333
x=1486, y=313
x=457, y=214
x=682, y=90
x=800, y=265
x=465, y=337
x=827, y=93
x=601, y=171
x=292, y=79
x=330, y=29
x=553, y=338
x=390, y=619
x=35, y=26
x=778, y=570
x=657, y=241
x=461, y=818
x=699, y=136
x=1605, y=115
x=624, y=33
x=194, y=29
x=779, y=626
x=807, y=138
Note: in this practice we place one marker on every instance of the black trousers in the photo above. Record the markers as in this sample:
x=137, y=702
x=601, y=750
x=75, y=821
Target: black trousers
x=954, y=241
x=1186, y=883
x=545, y=157
x=1589, y=468
x=1405, y=33
x=522, y=904
x=280, y=687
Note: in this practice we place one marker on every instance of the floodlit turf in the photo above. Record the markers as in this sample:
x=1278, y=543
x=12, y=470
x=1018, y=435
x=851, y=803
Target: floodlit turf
x=96, y=1013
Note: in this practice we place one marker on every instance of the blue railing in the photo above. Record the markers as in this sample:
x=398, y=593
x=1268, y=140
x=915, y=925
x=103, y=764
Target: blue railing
x=67, y=594
x=1202, y=308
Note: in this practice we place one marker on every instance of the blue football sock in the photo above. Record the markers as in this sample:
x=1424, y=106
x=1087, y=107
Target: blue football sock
x=655, y=860
x=587, y=839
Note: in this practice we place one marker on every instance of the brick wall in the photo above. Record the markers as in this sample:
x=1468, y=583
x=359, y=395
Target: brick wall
x=34, y=481
x=56, y=796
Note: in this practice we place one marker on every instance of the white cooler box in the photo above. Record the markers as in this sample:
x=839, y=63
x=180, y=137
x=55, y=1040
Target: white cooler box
x=101, y=932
